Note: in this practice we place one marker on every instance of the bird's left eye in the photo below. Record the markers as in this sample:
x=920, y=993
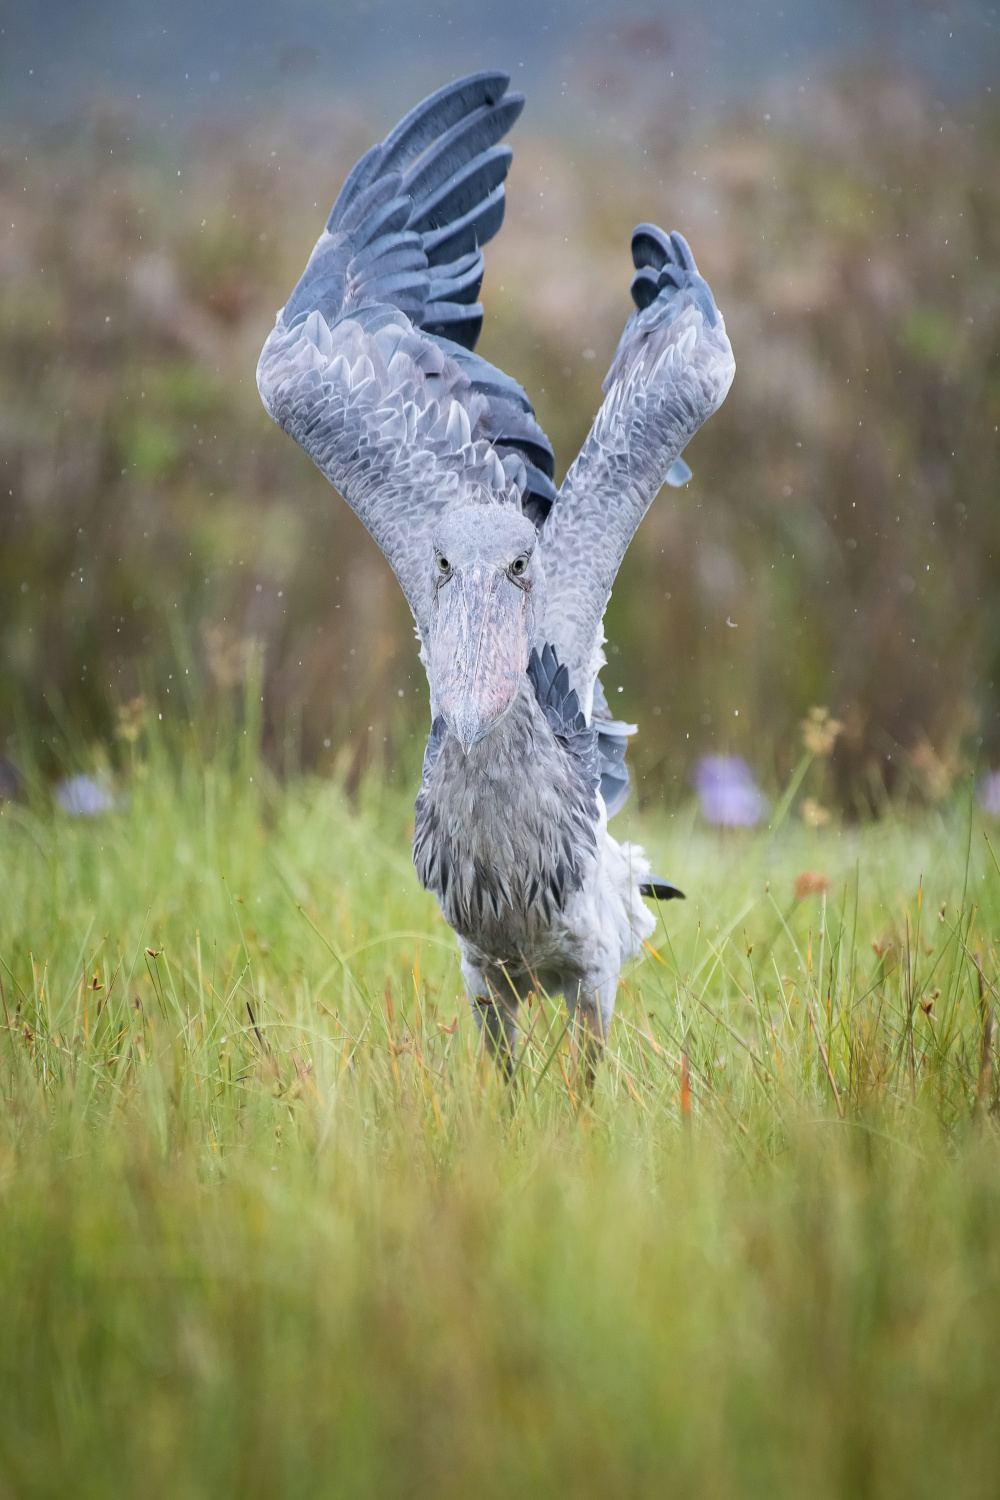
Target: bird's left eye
x=519, y=564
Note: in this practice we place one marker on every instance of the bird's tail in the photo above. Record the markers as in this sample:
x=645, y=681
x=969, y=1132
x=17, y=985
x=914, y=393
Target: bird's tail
x=631, y=871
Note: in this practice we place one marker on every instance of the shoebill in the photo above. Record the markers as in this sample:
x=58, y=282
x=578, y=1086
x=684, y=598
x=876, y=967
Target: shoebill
x=370, y=368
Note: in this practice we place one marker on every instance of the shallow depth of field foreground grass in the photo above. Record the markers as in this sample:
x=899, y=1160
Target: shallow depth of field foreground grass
x=269, y=1225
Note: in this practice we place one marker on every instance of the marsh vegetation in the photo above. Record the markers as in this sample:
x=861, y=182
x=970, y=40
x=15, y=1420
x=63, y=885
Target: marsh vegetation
x=271, y=1224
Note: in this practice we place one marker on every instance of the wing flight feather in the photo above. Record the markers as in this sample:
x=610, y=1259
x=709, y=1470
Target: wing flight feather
x=672, y=370
x=370, y=365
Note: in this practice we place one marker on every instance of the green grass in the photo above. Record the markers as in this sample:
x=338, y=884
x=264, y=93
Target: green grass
x=270, y=1226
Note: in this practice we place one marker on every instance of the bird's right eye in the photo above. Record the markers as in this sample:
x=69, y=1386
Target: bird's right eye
x=444, y=566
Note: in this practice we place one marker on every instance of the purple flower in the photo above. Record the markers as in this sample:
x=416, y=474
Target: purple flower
x=727, y=792
x=82, y=797
x=988, y=793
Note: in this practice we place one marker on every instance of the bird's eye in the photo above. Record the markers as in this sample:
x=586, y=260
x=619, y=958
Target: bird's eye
x=519, y=564
x=444, y=566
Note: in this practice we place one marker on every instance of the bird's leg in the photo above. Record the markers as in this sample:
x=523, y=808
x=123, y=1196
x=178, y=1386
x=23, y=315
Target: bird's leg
x=498, y=1023
x=494, y=1008
x=593, y=1004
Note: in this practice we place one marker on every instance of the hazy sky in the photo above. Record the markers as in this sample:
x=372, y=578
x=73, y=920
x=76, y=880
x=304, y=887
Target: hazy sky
x=193, y=55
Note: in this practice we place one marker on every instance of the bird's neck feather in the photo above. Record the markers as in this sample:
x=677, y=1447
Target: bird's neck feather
x=503, y=834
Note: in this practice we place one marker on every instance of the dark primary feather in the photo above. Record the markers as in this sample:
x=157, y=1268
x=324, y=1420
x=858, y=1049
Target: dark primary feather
x=459, y=282
x=664, y=263
x=451, y=198
x=661, y=890
x=471, y=135
x=438, y=113
x=465, y=188
x=454, y=322
x=480, y=224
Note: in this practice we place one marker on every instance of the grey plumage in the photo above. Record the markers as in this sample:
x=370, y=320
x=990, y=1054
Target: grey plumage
x=371, y=369
x=672, y=369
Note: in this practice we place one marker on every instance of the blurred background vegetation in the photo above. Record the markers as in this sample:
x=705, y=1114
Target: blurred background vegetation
x=839, y=544
x=255, y=1187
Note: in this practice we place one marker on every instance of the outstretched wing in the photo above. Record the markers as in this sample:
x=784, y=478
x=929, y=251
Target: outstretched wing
x=370, y=365
x=672, y=370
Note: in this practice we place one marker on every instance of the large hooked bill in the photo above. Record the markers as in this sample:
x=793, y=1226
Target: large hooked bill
x=479, y=652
